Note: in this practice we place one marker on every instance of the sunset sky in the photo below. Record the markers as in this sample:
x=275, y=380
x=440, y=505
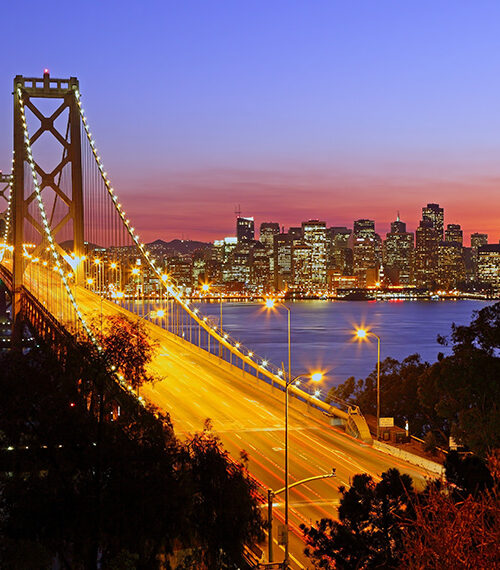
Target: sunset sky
x=292, y=110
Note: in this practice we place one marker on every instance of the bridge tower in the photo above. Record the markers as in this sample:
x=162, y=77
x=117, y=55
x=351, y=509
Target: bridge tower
x=30, y=91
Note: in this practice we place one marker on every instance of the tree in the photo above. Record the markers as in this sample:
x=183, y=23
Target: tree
x=463, y=388
x=447, y=534
x=126, y=346
x=368, y=533
x=153, y=494
x=458, y=395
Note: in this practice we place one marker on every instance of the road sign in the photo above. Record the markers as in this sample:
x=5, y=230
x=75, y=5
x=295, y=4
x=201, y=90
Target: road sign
x=386, y=422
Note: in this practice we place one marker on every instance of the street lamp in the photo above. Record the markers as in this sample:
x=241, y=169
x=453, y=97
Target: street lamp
x=362, y=334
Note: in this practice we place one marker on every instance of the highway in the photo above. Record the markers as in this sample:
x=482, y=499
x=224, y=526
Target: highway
x=248, y=416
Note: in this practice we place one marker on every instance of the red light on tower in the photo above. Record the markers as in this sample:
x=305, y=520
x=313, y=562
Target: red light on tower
x=46, y=71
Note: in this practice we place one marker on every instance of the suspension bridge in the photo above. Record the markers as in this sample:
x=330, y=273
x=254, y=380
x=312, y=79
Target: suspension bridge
x=69, y=253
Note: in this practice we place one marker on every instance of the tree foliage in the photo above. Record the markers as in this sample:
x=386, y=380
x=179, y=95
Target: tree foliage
x=457, y=395
x=368, y=533
x=389, y=525
x=78, y=487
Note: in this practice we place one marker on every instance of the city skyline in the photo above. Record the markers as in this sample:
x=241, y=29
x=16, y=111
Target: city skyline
x=292, y=111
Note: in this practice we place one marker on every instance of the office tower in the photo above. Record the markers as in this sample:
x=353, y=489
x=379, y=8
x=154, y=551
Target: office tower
x=283, y=244
x=266, y=236
x=259, y=267
x=366, y=252
x=434, y=214
x=314, y=234
x=454, y=233
x=489, y=266
x=451, y=266
x=476, y=241
x=426, y=254
x=245, y=229
x=398, y=227
x=339, y=250
x=398, y=254
x=267, y=232
x=302, y=269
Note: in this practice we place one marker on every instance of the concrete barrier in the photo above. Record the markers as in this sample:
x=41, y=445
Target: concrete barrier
x=426, y=464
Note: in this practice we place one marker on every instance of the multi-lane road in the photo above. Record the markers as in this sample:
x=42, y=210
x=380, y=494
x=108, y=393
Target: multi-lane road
x=248, y=416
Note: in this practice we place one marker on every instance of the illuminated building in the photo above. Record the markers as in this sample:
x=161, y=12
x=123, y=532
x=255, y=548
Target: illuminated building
x=451, y=266
x=245, y=229
x=283, y=244
x=259, y=267
x=266, y=236
x=339, y=251
x=366, y=251
x=476, y=241
x=302, y=265
x=454, y=233
x=489, y=266
x=314, y=235
x=398, y=254
x=426, y=254
x=434, y=214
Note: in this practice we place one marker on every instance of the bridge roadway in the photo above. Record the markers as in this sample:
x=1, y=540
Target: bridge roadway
x=248, y=415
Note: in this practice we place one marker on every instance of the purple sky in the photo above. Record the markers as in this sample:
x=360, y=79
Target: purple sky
x=294, y=110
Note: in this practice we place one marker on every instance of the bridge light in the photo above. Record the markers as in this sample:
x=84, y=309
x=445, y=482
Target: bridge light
x=97, y=261
x=90, y=280
x=164, y=277
x=270, y=303
x=136, y=271
x=160, y=313
x=250, y=354
x=113, y=265
x=264, y=363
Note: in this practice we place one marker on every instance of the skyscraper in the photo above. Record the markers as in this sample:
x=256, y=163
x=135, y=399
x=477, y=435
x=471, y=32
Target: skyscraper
x=454, y=233
x=434, y=214
x=366, y=251
x=282, y=260
x=267, y=232
x=426, y=254
x=398, y=253
x=245, y=229
x=489, y=266
x=314, y=233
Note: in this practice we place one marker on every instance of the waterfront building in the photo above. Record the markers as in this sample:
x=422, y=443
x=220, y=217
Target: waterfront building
x=489, y=266
x=451, y=266
x=476, y=241
x=266, y=236
x=426, y=254
x=339, y=250
x=245, y=230
x=314, y=235
x=434, y=214
x=259, y=267
x=366, y=251
x=398, y=251
x=302, y=265
x=283, y=244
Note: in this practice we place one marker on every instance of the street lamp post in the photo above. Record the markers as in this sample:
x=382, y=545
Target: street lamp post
x=271, y=494
x=363, y=333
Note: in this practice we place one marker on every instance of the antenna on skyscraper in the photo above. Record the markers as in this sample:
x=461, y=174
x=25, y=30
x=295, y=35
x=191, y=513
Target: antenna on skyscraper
x=398, y=216
x=237, y=211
